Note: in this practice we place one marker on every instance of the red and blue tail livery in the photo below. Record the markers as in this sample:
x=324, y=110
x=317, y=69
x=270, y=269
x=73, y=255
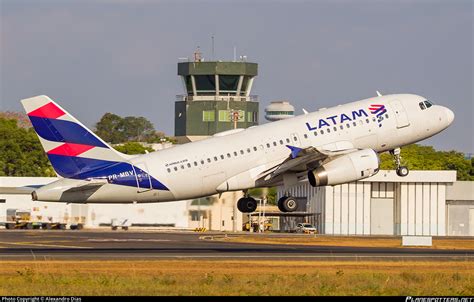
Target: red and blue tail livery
x=76, y=152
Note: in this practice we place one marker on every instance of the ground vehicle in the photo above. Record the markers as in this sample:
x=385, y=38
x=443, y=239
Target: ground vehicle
x=20, y=219
x=120, y=223
x=305, y=228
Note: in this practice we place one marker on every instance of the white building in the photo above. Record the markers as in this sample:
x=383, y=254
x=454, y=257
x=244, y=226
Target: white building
x=422, y=203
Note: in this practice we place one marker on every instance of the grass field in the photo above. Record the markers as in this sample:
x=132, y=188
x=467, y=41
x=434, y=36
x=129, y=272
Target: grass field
x=224, y=277
x=353, y=241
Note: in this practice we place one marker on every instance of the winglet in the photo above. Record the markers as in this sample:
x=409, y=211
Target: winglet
x=294, y=151
x=378, y=93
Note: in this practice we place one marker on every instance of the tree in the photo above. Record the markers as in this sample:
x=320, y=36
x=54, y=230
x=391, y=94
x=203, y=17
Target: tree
x=21, y=153
x=110, y=128
x=133, y=148
x=115, y=129
x=417, y=157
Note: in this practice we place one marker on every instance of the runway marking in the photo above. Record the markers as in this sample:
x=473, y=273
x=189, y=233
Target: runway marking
x=128, y=240
x=45, y=245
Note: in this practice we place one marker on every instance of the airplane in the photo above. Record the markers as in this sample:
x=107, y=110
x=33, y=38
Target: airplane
x=330, y=146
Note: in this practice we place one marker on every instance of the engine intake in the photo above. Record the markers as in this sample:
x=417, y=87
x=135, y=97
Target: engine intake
x=346, y=168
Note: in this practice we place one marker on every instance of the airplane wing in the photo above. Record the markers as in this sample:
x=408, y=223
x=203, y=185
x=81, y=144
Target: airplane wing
x=304, y=159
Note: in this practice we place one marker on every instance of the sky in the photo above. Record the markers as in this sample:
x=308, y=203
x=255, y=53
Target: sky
x=121, y=56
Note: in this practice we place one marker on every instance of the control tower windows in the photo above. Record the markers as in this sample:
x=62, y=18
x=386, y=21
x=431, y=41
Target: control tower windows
x=205, y=84
x=228, y=84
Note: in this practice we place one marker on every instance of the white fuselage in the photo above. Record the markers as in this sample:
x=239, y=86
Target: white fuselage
x=232, y=160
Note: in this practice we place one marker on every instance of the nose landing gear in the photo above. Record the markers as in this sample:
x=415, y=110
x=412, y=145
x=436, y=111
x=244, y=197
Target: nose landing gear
x=402, y=171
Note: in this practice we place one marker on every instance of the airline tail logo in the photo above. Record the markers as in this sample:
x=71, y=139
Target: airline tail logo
x=379, y=110
x=76, y=152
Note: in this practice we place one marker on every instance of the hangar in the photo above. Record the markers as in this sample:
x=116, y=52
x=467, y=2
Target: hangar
x=423, y=203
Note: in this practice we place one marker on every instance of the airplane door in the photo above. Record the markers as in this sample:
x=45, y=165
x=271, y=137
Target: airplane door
x=400, y=114
x=142, y=177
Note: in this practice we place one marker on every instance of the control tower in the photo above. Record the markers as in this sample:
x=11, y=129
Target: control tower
x=217, y=98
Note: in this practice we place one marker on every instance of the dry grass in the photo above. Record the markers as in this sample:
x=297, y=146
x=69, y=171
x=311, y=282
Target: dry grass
x=311, y=239
x=223, y=277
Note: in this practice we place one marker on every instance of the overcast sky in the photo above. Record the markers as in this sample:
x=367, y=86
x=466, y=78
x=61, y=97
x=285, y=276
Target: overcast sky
x=95, y=57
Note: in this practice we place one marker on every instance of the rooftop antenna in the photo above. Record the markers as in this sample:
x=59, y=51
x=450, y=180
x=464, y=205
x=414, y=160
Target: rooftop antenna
x=212, y=39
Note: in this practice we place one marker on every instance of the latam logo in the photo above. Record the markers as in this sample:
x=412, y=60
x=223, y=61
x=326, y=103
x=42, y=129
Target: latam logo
x=376, y=109
x=337, y=119
x=379, y=110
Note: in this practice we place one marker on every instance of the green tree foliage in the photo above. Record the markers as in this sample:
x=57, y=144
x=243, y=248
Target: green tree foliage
x=115, y=129
x=21, y=153
x=417, y=157
x=133, y=148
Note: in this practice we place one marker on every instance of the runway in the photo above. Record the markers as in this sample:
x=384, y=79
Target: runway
x=135, y=245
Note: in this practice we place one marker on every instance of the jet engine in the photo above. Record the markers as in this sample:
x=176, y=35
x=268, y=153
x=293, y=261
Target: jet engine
x=345, y=168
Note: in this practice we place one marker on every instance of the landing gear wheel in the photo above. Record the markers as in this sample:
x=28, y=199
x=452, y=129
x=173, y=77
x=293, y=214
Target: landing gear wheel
x=402, y=171
x=247, y=205
x=287, y=204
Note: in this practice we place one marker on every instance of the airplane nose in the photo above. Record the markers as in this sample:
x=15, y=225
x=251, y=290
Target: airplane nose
x=450, y=115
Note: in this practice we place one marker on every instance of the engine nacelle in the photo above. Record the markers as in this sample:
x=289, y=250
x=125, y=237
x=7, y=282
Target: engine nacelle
x=346, y=168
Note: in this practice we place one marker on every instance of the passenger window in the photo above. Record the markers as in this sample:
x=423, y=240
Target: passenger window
x=295, y=138
x=306, y=136
x=315, y=133
x=169, y=170
x=195, y=163
x=228, y=155
x=281, y=142
x=373, y=119
x=202, y=162
x=328, y=130
x=348, y=125
x=322, y=131
x=222, y=156
x=367, y=120
x=235, y=153
x=215, y=158
x=254, y=148
x=288, y=140
x=241, y=151
x=248, y=150
x=422, y=105
x=342, y=127
x=176, y=168
x=354, y=123
x=268, y=145
x=386, y=115
x=208, y=160
x=274, y=144
x=189, y=165
x=182, y=167
x=335, y=128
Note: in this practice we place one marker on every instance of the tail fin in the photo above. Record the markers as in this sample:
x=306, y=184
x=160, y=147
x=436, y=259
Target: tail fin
x=73, y=150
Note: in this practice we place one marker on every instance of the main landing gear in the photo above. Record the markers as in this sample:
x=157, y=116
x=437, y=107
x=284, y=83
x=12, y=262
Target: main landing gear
x=401, y=170
x=287, y=204
x=247, y=204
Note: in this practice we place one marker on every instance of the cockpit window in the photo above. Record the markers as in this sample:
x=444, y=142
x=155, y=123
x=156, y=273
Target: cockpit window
x=428, y=104
x=422, y=105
